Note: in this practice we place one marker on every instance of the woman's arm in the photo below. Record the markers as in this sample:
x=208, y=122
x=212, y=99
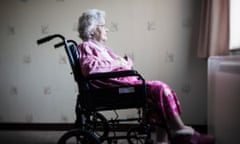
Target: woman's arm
x=92, y=61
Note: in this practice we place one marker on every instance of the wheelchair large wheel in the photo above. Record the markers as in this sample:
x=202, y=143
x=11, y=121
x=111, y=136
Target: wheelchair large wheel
x=98, y=125
x=139, y=135
x=78, y=136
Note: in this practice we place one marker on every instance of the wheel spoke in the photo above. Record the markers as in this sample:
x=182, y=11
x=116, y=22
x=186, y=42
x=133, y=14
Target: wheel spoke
x=137, y=135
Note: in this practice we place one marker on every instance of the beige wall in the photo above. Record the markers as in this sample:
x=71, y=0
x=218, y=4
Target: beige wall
x=35, y=81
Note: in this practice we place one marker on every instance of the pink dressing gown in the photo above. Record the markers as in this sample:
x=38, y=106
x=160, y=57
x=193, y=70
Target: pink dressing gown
x=95, y=59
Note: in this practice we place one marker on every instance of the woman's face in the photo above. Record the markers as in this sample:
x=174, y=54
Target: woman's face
x=100, y=33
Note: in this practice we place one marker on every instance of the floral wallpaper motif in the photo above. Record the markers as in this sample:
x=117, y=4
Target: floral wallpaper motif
x=13, y=91
x=45, y=29
x=113, y=27
x=151, y=25
x=11, y=30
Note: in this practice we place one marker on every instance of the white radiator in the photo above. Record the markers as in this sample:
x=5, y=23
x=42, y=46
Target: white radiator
x=224, y=99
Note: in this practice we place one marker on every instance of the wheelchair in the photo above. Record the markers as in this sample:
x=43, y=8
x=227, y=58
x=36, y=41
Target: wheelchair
x=91, y=126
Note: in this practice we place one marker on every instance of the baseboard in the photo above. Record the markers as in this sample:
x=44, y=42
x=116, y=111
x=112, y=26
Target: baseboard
x=68, y=126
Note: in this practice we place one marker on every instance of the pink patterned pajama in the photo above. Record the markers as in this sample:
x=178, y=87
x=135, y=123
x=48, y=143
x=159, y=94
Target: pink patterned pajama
x=95, y=59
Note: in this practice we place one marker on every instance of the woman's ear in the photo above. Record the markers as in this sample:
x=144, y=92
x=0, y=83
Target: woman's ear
x=92, y=33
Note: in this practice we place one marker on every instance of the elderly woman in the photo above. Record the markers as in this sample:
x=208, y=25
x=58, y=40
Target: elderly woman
x=96, y=57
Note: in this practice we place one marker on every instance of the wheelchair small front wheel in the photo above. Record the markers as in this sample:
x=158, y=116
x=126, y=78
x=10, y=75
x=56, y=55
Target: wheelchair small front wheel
x=98, y=124
x=78, y=136
x=138, y=135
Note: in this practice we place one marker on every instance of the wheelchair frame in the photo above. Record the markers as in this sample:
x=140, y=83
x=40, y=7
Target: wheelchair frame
x=91, y=127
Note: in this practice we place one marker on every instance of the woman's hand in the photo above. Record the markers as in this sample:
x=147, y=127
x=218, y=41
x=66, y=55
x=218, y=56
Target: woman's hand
x=122, y=62
x=126, y=57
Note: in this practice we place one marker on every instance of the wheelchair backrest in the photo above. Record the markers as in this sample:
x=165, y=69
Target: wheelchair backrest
x=73, y=56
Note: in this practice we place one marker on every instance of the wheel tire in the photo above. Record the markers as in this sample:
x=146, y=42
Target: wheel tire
x=78, y=136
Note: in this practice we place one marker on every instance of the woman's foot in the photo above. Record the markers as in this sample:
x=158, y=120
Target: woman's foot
x=195, y=138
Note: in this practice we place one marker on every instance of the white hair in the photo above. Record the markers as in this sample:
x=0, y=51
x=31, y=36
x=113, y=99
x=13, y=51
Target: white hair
x=88, y=22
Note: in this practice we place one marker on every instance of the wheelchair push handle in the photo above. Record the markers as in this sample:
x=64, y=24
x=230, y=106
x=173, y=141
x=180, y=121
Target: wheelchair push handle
x=63, y=43
x=50, y=37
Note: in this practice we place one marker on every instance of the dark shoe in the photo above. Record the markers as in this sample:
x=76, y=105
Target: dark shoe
x=196, y=138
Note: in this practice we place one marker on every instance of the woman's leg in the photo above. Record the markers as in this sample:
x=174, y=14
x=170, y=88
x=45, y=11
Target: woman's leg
x=163, y=97
x=176, y=122
x=182, y=134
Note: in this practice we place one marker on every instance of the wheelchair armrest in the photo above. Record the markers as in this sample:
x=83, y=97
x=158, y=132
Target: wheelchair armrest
x=117, y=74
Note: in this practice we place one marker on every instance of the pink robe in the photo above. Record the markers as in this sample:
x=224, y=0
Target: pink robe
x=95, y=59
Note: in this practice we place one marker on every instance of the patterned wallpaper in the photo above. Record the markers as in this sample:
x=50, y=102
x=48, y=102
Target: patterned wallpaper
x=35, y=81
